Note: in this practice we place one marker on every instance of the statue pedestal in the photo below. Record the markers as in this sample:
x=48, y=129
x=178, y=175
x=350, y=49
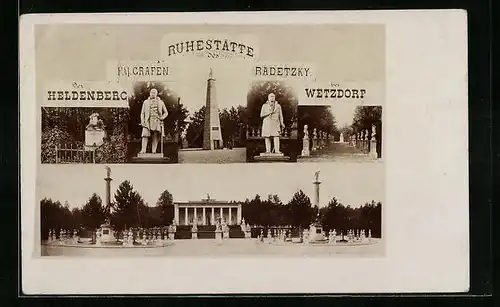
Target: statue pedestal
x=272, y=154
x=218, y=235
x=94, y=138
x=194, y=235
x=314, y=144
x=373, y=149
x=149, y=155
x=271, y=157
x=150, y=158
x=248, y=234
x=305, y=148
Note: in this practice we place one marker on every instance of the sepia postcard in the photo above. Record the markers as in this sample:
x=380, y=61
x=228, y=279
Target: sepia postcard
x=219, y=145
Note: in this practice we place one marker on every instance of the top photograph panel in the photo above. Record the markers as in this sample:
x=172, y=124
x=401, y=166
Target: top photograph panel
x=209, y=93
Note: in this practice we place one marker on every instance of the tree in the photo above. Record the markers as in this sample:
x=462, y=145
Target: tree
x=252, y=210
x=301, y=211
x=55, y=216
x=93, y=213
x=165, y=205
x=332, y=216
x=285, y=96
x=129, y=209
x=174, y=123
x=52, y=137
x=319, y=117
x=364, y=118
x=195, y=129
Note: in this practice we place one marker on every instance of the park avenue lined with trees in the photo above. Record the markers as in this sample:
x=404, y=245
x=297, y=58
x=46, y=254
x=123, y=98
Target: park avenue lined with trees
x=128, y=209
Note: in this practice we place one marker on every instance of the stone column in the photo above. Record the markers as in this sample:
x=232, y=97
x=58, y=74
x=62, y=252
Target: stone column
x=204, y=217
x=239, y=214
x=316, y=192
x=195, y=215
x=221, y=213
x=108, y=188
x=230, y=217
x=176, y=214
x=186, y=221
x=212, y=218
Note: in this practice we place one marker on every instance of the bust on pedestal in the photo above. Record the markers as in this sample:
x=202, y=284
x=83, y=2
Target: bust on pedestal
x=373, y=144
x=305, y=143
x=171, y=230
x=218, y=231
x=95, y=132
x=194, y=229
x=248, y=231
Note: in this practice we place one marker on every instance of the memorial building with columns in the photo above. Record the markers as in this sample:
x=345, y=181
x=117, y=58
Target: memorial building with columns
x=207, y=212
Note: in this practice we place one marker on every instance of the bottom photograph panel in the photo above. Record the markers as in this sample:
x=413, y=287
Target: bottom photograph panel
x=293, y=210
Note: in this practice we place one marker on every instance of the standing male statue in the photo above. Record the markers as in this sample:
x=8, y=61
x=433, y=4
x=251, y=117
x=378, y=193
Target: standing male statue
x=153, y=113
x=272, y=123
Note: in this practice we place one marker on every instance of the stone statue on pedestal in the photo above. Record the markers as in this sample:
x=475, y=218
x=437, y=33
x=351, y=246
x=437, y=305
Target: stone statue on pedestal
x=153, y=113
x=272, y=123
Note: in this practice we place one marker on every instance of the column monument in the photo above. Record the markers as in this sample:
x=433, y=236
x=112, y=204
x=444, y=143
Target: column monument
x=316, y=230
x=105, y=230
x=212, y=136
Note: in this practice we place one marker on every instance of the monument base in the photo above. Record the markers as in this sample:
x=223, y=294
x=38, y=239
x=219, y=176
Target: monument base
x=272, y=154
x=150, y=158
x=150, y=155
x=271, y=157
x=90, y=147
x=218, y=235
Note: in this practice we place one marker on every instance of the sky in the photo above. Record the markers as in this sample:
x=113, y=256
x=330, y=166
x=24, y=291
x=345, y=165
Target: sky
x=351, y=183
x=191, y=85
x=343, y=113
x=349, y=53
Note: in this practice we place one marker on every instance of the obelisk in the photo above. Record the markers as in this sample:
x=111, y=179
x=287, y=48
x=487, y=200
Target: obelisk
x=212, y=136
x=108, y=190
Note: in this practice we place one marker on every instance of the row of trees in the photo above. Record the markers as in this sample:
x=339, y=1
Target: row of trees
x=319, y=117
x=363, y=119
x=130, y=210
x=299, y=212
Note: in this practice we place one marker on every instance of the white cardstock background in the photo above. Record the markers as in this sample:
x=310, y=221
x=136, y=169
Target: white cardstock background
x=426, y=220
